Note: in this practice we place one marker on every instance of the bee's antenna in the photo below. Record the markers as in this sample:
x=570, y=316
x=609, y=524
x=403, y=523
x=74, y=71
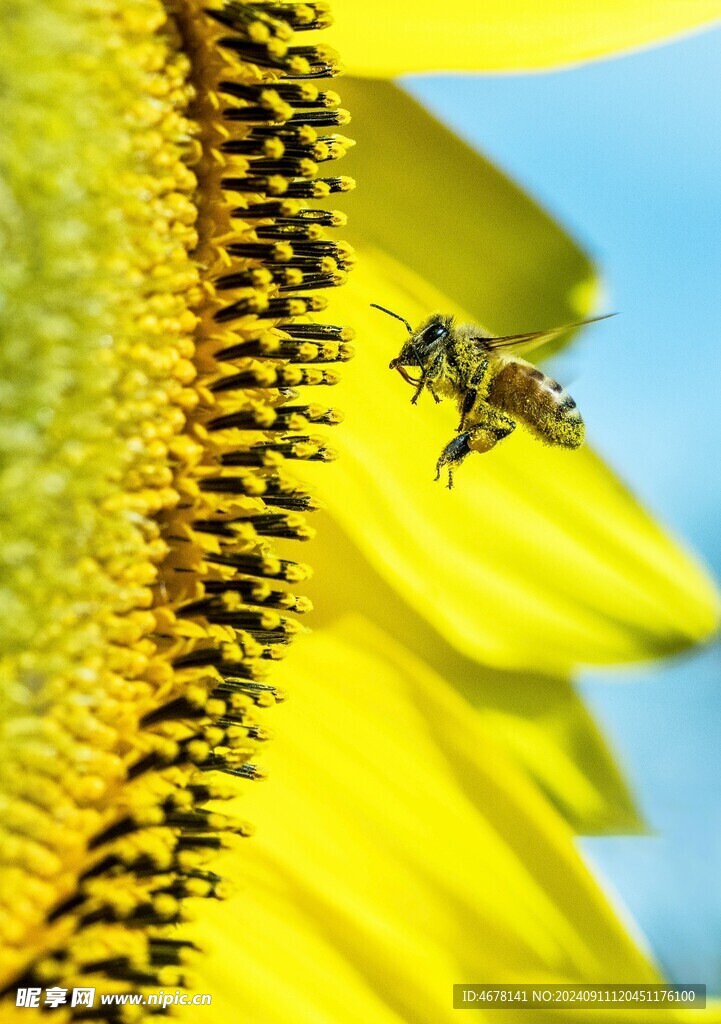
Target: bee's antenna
x=391, y=313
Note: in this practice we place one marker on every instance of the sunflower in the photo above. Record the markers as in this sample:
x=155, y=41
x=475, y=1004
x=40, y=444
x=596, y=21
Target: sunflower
x=151, y=415
x=170, y=231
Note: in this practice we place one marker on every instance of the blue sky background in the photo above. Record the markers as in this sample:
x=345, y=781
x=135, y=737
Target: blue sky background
x=627, y=154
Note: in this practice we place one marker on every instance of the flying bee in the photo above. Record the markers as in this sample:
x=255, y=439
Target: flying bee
x=492, y=386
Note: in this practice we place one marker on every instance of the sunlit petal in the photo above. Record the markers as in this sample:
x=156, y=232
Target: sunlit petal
x=378, y=38
x=538, y=557
x=540, y=718
x=399, y=851
x=439, y=207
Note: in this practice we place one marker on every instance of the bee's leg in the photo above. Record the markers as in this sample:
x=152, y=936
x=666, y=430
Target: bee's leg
x=478, y=374
x=487, y=436
x=419, y=389
x=453, y=455
x=488, y=426
x=469, y=400
x=470, y=396
x=484, y=435
x=427, y=375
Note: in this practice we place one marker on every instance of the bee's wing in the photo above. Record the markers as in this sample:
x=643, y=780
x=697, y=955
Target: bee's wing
x=535, y=338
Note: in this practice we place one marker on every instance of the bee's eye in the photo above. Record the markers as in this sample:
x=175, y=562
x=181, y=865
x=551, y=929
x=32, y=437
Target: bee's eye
x=434, y=332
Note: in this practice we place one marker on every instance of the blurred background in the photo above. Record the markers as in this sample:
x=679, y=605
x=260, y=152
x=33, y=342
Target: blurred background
x=626, y=154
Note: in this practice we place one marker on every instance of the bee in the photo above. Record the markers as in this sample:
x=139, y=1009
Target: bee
x=491, y=385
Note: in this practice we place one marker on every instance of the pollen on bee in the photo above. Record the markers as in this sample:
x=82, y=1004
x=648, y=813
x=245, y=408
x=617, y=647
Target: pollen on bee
x=541, y=403
x=493, y=388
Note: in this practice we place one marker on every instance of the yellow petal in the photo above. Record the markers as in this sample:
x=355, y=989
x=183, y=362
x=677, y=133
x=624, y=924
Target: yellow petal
x=539, y=718
x=442, y=209
x=538, y=558
x=399, y=851
x=379, y=38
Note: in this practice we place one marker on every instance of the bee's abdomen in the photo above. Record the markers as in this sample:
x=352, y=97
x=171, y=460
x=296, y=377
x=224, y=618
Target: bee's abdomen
x=538, y=401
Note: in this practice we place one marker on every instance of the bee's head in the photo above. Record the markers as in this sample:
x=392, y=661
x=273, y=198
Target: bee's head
x=426, y=341
x=421, y=344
